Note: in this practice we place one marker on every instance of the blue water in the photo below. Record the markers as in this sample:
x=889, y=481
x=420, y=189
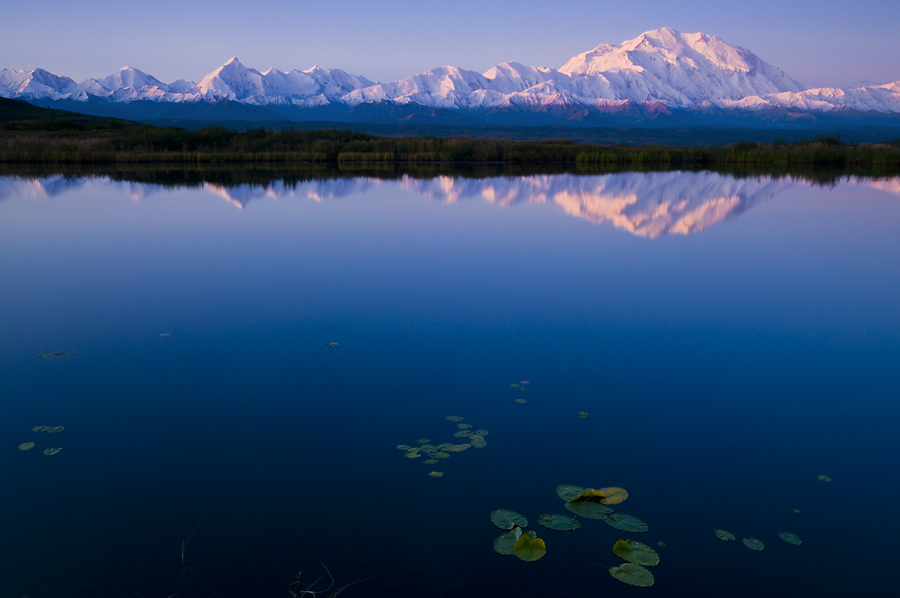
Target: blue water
x=732, y=339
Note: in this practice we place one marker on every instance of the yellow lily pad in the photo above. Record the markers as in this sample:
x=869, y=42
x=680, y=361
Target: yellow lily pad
x=26, y=446
x=633, y=575
x=636, y=552
x=529, y=547
x=613, y=495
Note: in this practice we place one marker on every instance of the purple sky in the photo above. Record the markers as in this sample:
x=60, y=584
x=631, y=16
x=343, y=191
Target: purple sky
x=819, y=43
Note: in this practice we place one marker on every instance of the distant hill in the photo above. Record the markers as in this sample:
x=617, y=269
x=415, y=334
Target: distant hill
x=17, y=115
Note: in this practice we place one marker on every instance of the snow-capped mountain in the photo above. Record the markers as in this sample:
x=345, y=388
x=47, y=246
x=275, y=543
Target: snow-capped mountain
x=658, y=72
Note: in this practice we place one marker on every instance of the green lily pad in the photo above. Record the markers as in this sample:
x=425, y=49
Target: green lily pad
x=633, y=575
x=521, y=401
x=506, y=519
x=568, y=492
x=796, y=511
x=40, y=428
x=724, y=535
x=403, y=447
x=636, y=552
x=26, y=446
x=479, y=443
x=52, y=451
x=464, y=426
x=481, y=433
x=331, y=345
x=505, y=543
x=456, y=448
x=443, y=447
x=428, y=448
x=790, y=538
x=423, y=440
x=413, y=455
x=583, y=415
x=462, y=434
x=559, y=522
x=753, y=544
x=625, y=523
x=436, y=474
x=661, y=544
x=529, y=547
x=589, y=510
x=56, y=429
x=430, y=461
x=824, y=478
x=455, y=418
x=441, y=455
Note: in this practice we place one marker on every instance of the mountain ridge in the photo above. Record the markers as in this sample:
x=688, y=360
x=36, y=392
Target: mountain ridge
x=657, y=73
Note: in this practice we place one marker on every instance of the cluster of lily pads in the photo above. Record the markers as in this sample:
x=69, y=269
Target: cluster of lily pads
x=56, y=354
x=588, y=503
x=520, y=387
x=27, y=446
x=442, y=451
x=755, y=544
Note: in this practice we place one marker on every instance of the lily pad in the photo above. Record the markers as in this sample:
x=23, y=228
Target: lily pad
x=40, y=428
x=464, y=426
x=56, y=429
x=514, y=385
x=633, y=575
x=443, y=447
x=824, y=478
x=436, y=474
x=441, y=455
x=521, y=401
x=505, y=543
x=724, y=535
x=52, y=451
x=506, y=519
x=479, y=443
x=26, y=446
x=589, y=510
x=583, y=415
x=790, y=538
x=753, y=544
x=529, y=547
x=430, y=461
x=423, y=440
x=796, y=511
x=559, y=522
x=455, y=418
x=462, y=434
x=456, y=448
x=661, y=544
x=614, y=495
x=568, y=492
x=412, y=455
x=331, y=345
x=636, y=552
x=481, y=433
x=625, y=523
x=403, y=447
x=428, y=448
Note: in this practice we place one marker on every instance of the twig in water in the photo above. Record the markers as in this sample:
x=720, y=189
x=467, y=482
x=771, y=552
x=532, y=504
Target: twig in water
x=185, y=542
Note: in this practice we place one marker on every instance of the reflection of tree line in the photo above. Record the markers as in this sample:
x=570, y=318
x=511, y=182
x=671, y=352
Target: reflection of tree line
x=267, y=175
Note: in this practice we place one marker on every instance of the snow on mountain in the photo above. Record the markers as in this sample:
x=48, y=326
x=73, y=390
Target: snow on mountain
x=659, y=71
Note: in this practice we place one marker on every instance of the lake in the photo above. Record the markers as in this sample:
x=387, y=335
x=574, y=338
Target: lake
x=731, y=338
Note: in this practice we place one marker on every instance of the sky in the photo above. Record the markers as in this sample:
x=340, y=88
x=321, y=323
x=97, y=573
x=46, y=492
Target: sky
x=817, y=42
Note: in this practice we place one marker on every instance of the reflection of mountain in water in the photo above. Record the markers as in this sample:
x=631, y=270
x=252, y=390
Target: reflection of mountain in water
x=646, y=204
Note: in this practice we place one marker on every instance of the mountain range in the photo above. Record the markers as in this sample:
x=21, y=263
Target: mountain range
x=661, y=76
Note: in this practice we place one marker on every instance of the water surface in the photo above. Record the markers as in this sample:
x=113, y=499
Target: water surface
x=731, y=337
